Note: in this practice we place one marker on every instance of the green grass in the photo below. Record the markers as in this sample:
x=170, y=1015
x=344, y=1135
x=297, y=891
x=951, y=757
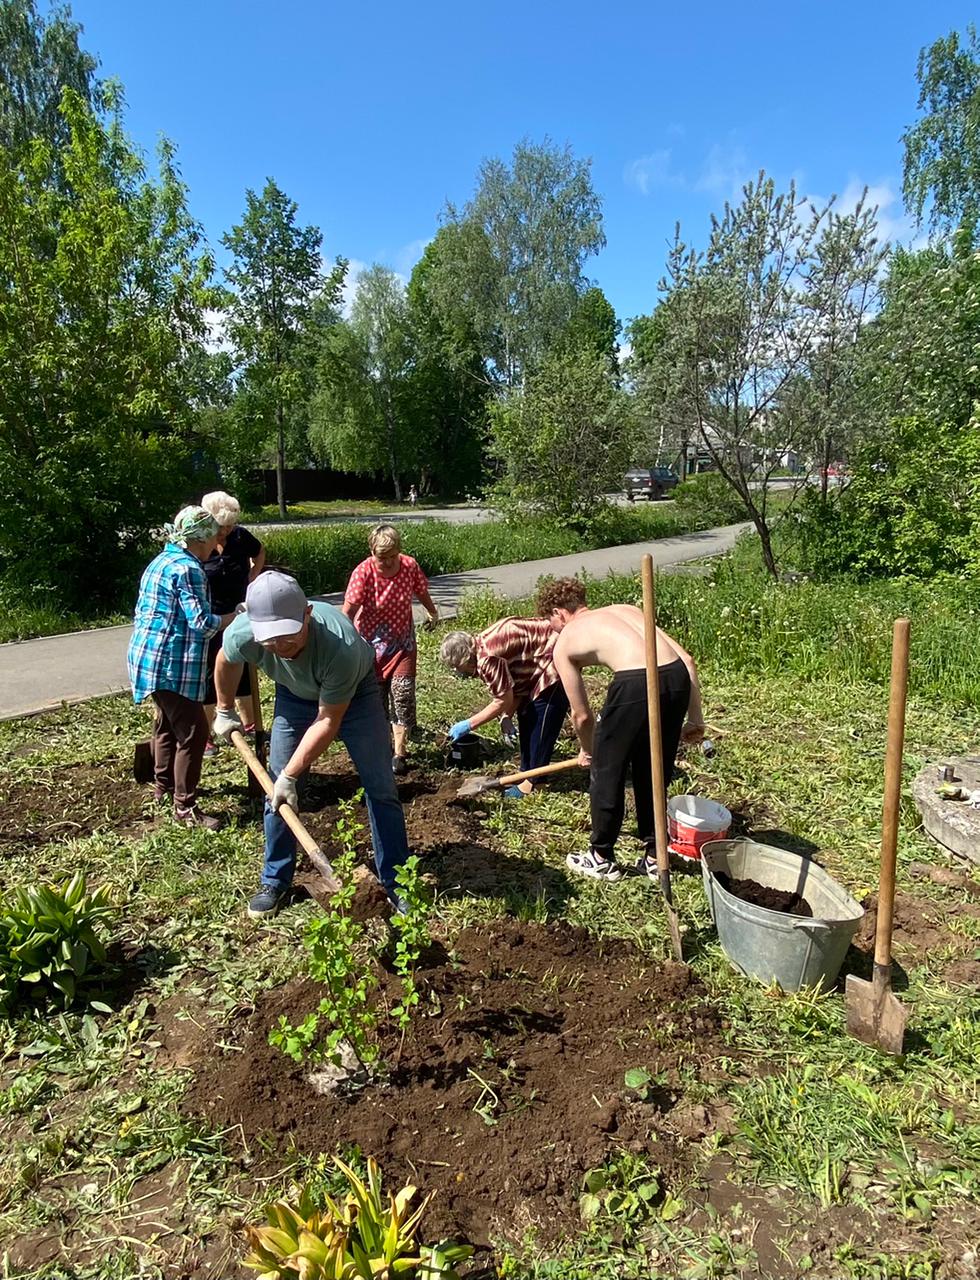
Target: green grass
x=269, y=513
x=322, y=559
x=814, y=1125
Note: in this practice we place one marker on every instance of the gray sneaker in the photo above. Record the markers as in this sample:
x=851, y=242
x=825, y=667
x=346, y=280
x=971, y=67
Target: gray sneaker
x=266, y=902
x=193, y=817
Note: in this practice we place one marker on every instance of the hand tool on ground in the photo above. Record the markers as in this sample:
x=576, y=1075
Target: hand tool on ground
x=483, y=782
x=255, y=788
x=292, y=820
x=656, y=752
x=874, y=1014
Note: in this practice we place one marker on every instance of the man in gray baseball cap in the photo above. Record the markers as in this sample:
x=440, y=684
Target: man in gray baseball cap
x=326, y=688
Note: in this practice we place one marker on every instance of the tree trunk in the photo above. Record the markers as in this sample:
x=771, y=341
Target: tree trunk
x=280, y=461
x=765, y=541
x=823, y=469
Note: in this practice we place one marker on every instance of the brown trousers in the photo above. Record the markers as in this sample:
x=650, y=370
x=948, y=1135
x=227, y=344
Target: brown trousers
x=179, y=738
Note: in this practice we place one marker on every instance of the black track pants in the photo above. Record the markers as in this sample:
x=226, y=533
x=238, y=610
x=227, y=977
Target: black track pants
x=622, y=742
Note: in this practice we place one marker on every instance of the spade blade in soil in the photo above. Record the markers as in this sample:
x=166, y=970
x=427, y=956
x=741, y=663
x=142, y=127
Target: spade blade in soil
x=874, y=1015
x=476, y=786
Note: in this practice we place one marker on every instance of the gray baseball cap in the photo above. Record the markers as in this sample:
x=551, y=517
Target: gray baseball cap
x=276, y=605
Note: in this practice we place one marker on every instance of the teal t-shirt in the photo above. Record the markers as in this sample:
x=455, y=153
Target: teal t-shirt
x=335, y=661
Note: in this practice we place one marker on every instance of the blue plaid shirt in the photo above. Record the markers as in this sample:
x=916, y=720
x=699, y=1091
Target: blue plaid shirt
x=172, y=627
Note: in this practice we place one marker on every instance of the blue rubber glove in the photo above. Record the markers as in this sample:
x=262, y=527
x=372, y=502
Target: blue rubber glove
x=460, y=728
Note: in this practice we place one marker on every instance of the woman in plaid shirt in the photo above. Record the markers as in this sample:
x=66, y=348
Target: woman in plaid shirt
x=514, y=659
x=167, y=658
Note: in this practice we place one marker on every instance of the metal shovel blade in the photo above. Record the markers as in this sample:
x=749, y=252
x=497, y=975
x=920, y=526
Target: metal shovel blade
x=476, y=786
x=874, y=1015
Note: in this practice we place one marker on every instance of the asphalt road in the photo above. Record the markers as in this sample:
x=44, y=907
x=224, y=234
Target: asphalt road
x=39, y=675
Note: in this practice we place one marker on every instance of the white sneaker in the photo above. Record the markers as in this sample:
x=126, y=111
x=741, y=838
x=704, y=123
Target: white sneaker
x=590, y=864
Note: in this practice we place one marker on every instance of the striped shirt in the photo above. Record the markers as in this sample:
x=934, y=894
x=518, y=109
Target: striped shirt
x=171, y=627
x=515, y=654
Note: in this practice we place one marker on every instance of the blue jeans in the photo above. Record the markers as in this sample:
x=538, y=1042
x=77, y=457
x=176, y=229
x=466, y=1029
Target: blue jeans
x=539, y=721
x=364, y=732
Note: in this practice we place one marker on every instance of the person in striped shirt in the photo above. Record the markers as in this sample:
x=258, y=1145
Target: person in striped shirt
x=167, y=658
x=514, y=659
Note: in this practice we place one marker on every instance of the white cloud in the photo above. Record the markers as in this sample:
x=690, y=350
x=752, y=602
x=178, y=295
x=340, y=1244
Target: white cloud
x=723, y=171
x=894, y=224
x=653, y=170
x=404, y=259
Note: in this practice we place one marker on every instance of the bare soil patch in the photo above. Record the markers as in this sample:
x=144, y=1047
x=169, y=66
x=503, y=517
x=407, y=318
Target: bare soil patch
x=760, y=895
x=69, y=801
x=508, y=1089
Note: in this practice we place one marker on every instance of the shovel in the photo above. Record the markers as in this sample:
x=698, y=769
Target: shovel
x=874, y=1014
x=255, y=788
x=657, y=753
x=482, y=783
x=310, y=847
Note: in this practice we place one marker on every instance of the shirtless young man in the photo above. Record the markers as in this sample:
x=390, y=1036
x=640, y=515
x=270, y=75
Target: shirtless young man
x=613, y=637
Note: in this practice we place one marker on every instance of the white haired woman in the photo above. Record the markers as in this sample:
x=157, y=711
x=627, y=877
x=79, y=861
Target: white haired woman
x=237, y=559
x=167, y=658
x=514, y=659
x=378, y=601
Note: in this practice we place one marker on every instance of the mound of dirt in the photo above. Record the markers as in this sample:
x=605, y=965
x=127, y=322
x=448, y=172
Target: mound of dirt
x=508, y=1088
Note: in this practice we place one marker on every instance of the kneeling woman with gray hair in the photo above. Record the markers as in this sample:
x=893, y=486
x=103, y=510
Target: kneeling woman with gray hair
x=167, y=658
x=513, y=658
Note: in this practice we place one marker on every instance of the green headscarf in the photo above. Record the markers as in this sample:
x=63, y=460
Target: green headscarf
x=191, y=524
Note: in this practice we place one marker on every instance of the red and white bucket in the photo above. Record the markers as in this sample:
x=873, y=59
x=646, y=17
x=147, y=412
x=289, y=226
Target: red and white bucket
x=692, y=821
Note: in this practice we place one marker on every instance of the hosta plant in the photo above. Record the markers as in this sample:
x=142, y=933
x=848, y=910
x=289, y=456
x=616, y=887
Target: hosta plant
x=50, y=940
x=365, y=1236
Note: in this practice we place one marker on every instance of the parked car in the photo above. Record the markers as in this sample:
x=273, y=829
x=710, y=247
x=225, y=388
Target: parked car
x=649, y=482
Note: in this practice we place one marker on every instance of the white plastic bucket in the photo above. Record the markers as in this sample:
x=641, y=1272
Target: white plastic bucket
x=692, y=821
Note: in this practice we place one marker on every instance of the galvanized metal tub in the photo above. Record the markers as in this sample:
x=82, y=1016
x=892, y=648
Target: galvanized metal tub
x=772, y=946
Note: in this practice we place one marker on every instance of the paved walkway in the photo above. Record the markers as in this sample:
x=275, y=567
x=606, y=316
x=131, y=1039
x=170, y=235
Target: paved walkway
x=39, y=675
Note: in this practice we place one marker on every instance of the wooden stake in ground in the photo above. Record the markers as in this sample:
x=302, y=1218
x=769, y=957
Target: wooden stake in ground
x=291, y=818
x=874, y=1014
x=656, y=752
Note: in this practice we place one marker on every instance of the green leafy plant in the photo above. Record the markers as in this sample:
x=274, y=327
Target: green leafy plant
x=624, y=1188
x=364, y=1236
x=336, y=943
x=412, y=936
x=50, y=941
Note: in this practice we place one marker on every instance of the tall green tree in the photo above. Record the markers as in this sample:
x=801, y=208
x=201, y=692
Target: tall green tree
x=522, y=243
x=942, y=149
x=593, y=326
x=104, y=281
x=40, y=58
x=448, y=387
x=275, y=279
x=564, y=440
x=358, y=416
x=749, y=318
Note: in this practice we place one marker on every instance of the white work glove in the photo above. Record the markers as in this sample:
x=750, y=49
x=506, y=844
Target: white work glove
x=508, y=731
x=284, y=792
x=225, y=722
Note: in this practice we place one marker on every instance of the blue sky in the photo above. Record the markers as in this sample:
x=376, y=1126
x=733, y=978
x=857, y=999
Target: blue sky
x=372, y=115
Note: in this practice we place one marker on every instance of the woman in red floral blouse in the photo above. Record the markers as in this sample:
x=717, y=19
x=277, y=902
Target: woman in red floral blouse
x=378, y=601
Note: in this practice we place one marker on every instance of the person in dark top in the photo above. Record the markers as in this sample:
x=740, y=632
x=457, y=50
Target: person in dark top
x=238, y=558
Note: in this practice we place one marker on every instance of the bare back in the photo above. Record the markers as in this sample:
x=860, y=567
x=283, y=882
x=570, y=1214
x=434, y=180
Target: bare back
x=611, y=637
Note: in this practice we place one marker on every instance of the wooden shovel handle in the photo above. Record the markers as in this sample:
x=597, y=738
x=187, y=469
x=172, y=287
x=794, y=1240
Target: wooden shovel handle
x=286, y=811
x=558, y=767
x=653, y=715
x=893, y=791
